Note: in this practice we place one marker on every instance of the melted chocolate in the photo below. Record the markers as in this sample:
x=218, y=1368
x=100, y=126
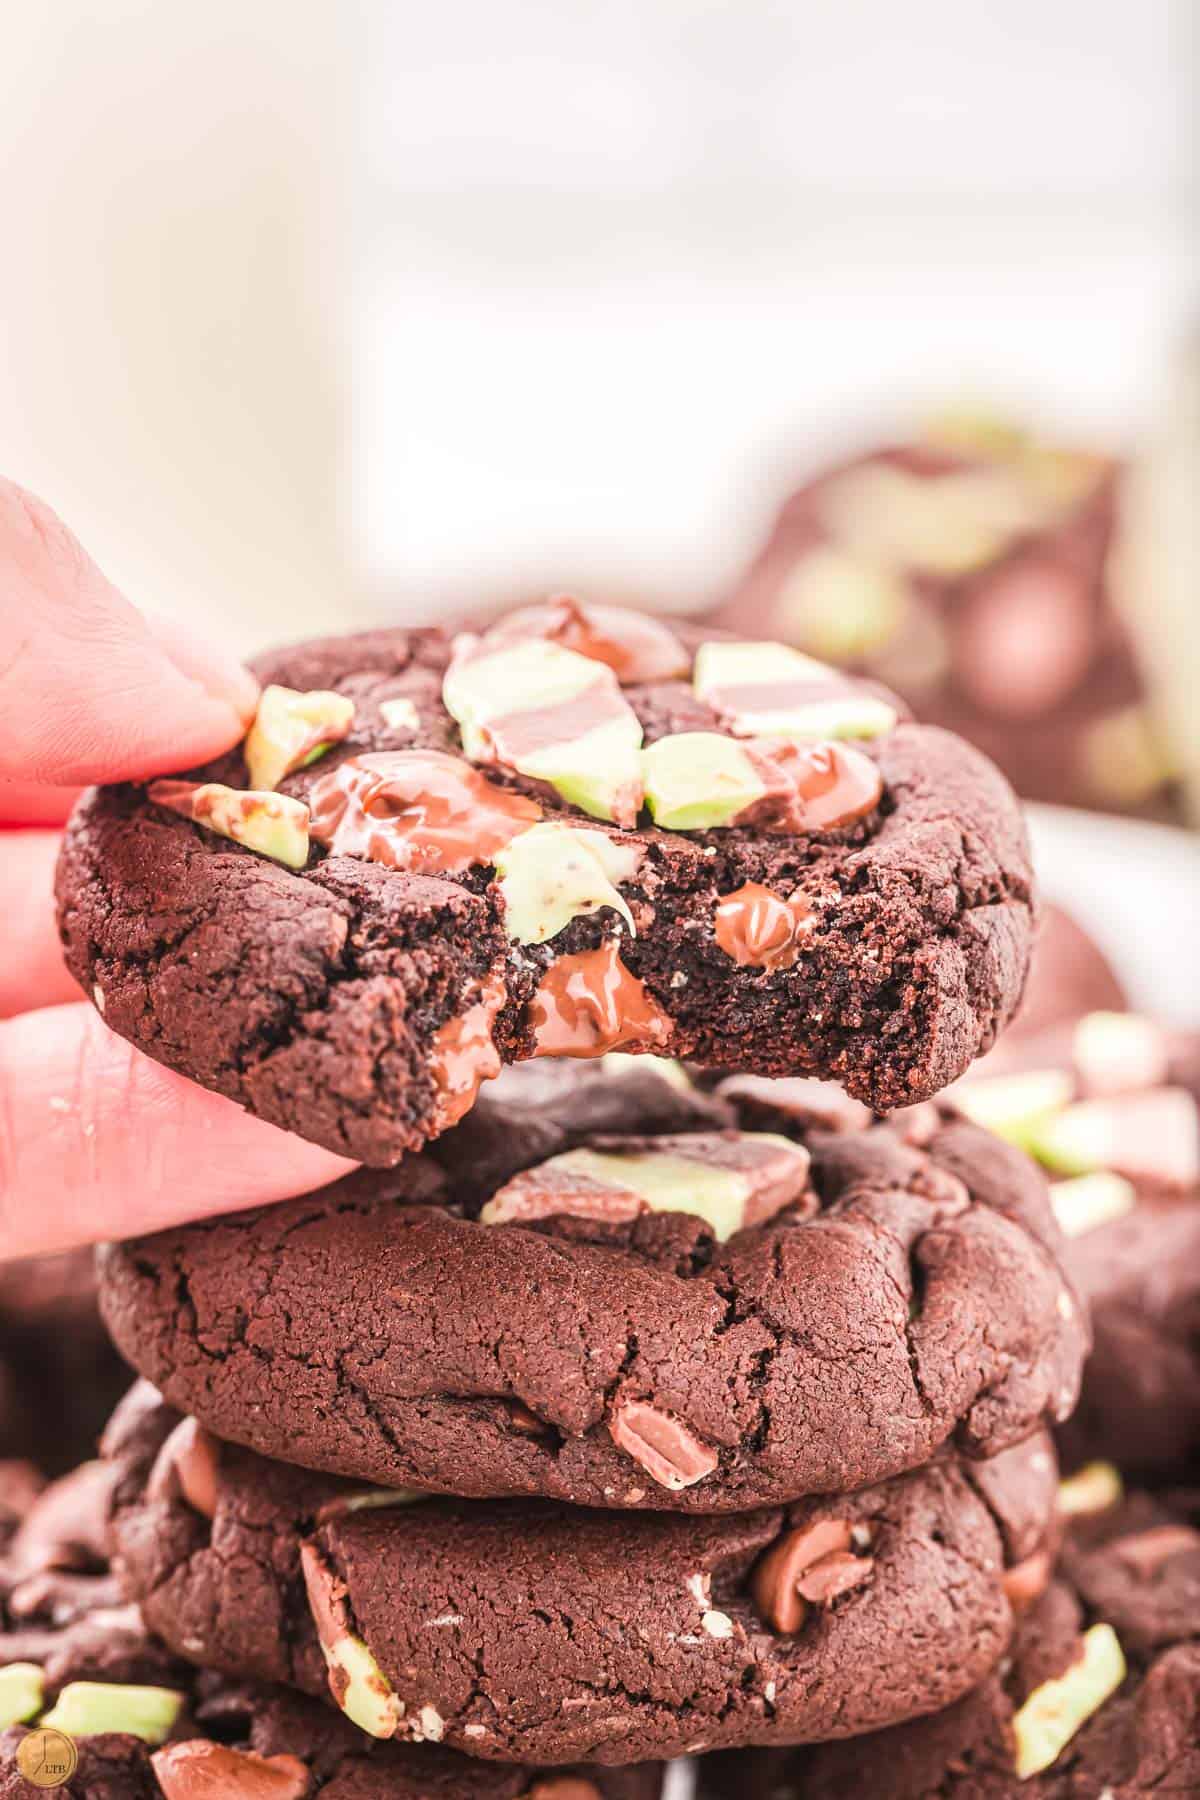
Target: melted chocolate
x=464, y=1056
x=833, y=784
x=634, y=647
x=591, y=1003
x=422, y=810
x=760, y=929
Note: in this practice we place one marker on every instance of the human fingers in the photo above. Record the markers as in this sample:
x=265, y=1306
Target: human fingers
x=32, y=970
x=88, y=690
x=97, y=1141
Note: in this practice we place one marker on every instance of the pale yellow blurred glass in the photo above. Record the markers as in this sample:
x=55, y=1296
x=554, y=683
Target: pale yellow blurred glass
x=170, y=367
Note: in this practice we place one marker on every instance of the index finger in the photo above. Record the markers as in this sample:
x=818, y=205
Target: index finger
x=88, y=690
x=97, y=1141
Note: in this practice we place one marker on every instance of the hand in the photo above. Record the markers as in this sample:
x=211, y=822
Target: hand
x=97, y=1141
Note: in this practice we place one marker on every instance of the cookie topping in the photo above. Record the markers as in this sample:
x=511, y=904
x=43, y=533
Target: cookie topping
x=357, y=1683
x=554, y=873
x=834, y=784
x=946, y=524
x=701, y=781
x=670, y=1453
x=1027, y=1581
x=421, y=810
x=841, y=606
x=1087, y=1201
x=292, y=729
x=1015, y=1107
x=634, y=646
x=760, y=929
x=590, y=1003
x=87, y=1708
x=811, y=1565
x=199, y=1769
x=1117, y=1053
x=368, y=1500
x=272, y=824
x=188, y=1464
x=553, y=715
x=1152, y=1137
x=22, y=1686
x=1095, y=1488
x=399, y=713
x=731, y=1180
x=770, y=690
x=464, y=1055
x=1054, y=1712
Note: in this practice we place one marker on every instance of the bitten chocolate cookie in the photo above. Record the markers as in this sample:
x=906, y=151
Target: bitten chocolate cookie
x=148, y=1726
x=537, y=1632
x=575, y=834
x=1100, y=1697
x=688, y=1315
x=970, y=572
x=1109, y=1104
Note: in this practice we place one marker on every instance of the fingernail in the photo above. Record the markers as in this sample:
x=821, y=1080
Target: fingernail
x=221, y=676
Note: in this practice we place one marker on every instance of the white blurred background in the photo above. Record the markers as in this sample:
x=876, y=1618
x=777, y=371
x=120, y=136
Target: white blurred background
x=316, y=313
x=627, y=267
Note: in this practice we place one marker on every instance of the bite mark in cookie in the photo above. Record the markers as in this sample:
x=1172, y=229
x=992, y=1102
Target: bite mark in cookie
x=858, y=910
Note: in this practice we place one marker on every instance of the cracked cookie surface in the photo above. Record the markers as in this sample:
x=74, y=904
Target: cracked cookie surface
x=61, y=1624
x=360, y=1001
x=1133, y=1570
x=547, y=1633
x=609, y=1346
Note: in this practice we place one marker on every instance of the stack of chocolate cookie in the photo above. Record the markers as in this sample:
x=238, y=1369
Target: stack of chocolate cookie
x=612, y=1413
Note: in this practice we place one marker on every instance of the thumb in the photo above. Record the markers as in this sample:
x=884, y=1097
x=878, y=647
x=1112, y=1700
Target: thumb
x=89, y=691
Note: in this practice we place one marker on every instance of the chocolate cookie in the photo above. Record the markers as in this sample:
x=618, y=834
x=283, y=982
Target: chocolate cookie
x=972, y=576
x=686, y=1316
x=349, y=946
x=546, y=1633
x=1101, y=1695
x=59, y=1375
x=1110, y=1105
x=1069, y=975
x=148, y=1726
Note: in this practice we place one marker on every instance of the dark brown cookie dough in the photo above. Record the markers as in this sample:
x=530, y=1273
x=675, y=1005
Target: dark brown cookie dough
x=224, y=1740
x=869, y=922
x=973, y=578
x=514, y=1321
x=1132, y=1571
x=547, y=1633
x=1111, y=1104
x=59, y=1376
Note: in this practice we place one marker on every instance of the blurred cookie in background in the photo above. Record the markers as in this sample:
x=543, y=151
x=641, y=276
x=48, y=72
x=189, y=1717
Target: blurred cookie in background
x=969, y=571
x=1099, y=1697
x=1069, y=975
x=1109, y=1104
x=59, y=1374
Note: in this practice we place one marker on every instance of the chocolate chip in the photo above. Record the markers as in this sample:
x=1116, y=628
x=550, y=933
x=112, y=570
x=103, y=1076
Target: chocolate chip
x=669, y=1452
x=812, y=1564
